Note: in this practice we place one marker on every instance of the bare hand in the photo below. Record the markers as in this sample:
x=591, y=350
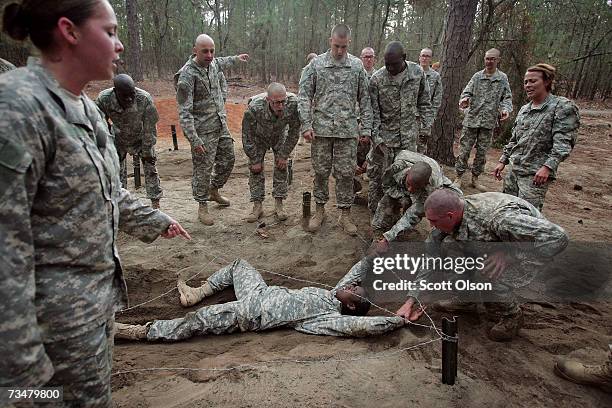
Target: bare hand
x=541, y=176
x=243, y=57
x=498, y=170
x=408, y=312
x=309, y=135
x=174, y=230
x=495, y=265
x=256, y=168
x=281, y=164
x=503, y=116
x=199, y=149
x=464, y=103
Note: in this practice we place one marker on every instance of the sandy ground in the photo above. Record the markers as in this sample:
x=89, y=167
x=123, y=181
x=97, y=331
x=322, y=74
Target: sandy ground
x=284, y=368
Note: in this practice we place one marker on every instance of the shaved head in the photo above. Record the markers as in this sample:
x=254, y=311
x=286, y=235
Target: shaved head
x=123, y=82
x=443, y=201
x=125, y=91
x=395, y=57
x=204, y=50
x=276, y=88
x=395, y=47
x=204, y=39
x=493, y=52
x=341, y=31
x=367, y=51
x=417, y=177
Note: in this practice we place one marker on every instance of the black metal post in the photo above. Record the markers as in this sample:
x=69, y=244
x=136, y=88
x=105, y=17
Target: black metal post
x=289, y=171
x=449, y=351
x=174, y=140
x=136, y=160
x=306, y=204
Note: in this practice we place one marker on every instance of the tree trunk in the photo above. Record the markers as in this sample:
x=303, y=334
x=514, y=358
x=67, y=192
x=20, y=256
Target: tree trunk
x=460, y=19
x=134, y=65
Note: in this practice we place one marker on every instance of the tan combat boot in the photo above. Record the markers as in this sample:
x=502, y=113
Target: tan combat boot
x=203, y=215
x=130, y=331
x=346, y=223
x=218, y=198
x=155, y=204
x=507, y=327
x=190, y=296
x=597, y=376
x=477, y=185
x=317, y=218
x=256, y=212
x=459, y=180
x=280, y=211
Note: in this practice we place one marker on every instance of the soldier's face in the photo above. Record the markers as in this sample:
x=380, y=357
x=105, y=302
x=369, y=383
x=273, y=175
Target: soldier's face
x=394, y=63
x=98, y=43
x=444, y=222
x=277, y=103
x=534, y=85
x=425, y=59
x=339, y=47
x=204, y=53
x=491, y=61
x=125, y=96
x=350, y=295
x=411, y=186
x=368, y=59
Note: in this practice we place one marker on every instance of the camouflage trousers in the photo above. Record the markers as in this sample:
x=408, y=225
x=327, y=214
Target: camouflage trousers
x=378, y=161
x=388, y=212
x=152, y=184
x=257, y=182
x=523, y=187
x=212, y=168
x=470, y=137
x=339, y=154
x=82, y=366
x=241, y=315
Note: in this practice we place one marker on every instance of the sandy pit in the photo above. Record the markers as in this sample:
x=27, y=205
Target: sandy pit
x=284, y=368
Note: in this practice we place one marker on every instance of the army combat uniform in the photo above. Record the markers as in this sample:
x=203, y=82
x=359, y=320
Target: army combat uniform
x=499, y=217
x=401, y=105
x=488, y=95
x=542, y=136
x=5, y=66
x=435, y=92
x=61, y=207
x=135, y=133
x=202, y=115
x=328, y=96
x=387, y=217
x=261, y=307
x=263, y=130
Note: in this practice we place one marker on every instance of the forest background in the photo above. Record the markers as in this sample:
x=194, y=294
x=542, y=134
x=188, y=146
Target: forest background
x=573, y=35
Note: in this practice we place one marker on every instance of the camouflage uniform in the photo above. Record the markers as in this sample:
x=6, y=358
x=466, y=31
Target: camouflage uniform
x=488, y=94
x=499, y=217
x=135, y=133
x=329, y=93
x=387, y=216
x=5, y=66
x=202, y=115
x=262, y=130
x=261, y=307
x=223, y=86
x=542, y=136
x=401, y=105
x=61, y=207
x=435, y=91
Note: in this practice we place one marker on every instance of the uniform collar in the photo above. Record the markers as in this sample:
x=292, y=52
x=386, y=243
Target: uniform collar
x=544, y=104
x=462, y=233
x=72, y=115
x=495, y=77
x=331, y=62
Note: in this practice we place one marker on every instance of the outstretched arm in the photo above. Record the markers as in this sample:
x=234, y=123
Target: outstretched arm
x=356, y=326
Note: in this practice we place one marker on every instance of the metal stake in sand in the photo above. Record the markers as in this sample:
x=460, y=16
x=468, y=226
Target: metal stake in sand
x=449, y=351
x=174, y=140
x=306, y=205
x=136, y=160
x=289, y=171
